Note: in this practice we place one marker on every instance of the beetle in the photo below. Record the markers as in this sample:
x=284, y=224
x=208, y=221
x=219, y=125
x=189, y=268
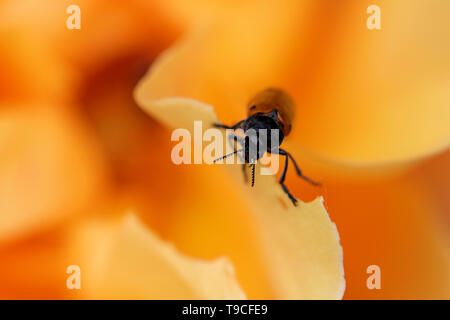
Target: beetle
x=270, y=109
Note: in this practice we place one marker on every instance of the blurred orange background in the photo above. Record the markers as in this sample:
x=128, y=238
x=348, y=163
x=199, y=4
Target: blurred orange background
x=373, y=115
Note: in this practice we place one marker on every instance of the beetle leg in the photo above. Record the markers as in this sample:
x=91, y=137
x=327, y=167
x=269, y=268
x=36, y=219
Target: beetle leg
x=237, y=125
x=233, y=127
x=299, y=172
x=283, y=177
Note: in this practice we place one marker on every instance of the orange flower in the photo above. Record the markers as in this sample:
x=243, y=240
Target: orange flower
x=79, y=155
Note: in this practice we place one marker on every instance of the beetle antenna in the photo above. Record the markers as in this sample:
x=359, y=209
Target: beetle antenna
x=227, y=155
x=253, y=174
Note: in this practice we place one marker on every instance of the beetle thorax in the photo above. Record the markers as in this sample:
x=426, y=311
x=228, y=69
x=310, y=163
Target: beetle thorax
x=262, y=134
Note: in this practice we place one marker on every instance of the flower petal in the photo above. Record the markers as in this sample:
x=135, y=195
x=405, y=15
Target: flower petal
x=374, y=96
x=92, y=45
x=50, y=168
x=30, y=70
x=125, y=260
x=300, y=245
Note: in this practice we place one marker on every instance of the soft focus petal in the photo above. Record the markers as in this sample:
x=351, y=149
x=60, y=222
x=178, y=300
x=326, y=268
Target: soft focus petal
x=392, y=224
x=300, y=245
x=108, y=28
x=125, y=260
x=373, y=96
x=49, y=169
x=34, y=268
x=30, y=70
x=223, y=64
